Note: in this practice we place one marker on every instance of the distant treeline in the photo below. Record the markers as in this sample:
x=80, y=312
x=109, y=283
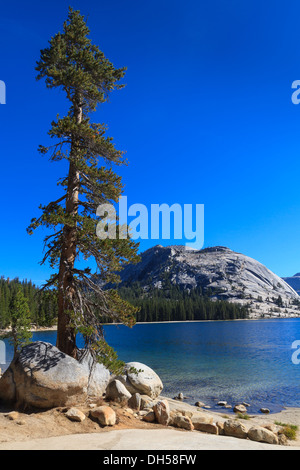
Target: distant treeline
x=172, y=303
x=42, y=305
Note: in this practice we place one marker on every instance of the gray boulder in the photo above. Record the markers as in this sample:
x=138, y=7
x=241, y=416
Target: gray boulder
x=260, y=434
x=139, y=378
x=116, y=391
x=99, y=375
x=235, y=429
x=41, y=376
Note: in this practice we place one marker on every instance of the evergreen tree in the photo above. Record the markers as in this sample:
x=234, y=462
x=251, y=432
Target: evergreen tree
x=20, y=320
x=73, y=64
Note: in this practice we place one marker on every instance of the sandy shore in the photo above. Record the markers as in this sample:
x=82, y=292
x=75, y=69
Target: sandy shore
x=39, y=329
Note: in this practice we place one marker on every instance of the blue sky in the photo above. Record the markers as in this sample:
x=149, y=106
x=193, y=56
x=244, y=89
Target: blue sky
x=206, y=117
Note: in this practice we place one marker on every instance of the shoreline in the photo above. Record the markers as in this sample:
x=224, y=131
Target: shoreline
x=50, y=429
x=211, y=404
x=42, y=329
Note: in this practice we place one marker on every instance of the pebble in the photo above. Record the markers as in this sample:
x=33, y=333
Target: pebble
x=200, y=404
x=13, y=416
x=222, y=403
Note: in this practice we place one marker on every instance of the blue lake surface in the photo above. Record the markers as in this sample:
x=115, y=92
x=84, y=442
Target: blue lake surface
x=210, y=361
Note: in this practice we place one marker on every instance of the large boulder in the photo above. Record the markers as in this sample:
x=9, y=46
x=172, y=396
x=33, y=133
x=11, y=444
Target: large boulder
x=208, y=428
x=99, y=375
x=201, y=418
x=260, y=434
x=235, y=429
x=139, y=378
x=41, y=376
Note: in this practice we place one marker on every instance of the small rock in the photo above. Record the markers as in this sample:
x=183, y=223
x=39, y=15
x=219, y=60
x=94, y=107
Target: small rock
x=283, y=440
x=146, y=402
x=13, y=416
x=21, y=422
x=265, y=410
x=222, y=403
x=272, y=427
x=240, y=409
x=246, y=404
x=116, y=391
x=180, y=396
x=149, y=417
x=200, y=418
x=220, y=426
x=207, y=427
x=75, y=415
x=259, y=434
x=105, y=415
x=207, y=407
x=92, y=405
x=135, y=401
x=199, y=404
x=235, y=429
x=162, y=412
x=183, y=422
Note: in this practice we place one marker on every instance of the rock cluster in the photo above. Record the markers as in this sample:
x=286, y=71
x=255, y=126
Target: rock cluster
x=43, y=377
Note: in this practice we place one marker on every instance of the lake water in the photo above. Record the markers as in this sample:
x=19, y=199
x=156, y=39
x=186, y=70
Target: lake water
x=210, y=361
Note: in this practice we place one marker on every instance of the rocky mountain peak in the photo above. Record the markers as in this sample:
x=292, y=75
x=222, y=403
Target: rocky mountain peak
x=225, y=273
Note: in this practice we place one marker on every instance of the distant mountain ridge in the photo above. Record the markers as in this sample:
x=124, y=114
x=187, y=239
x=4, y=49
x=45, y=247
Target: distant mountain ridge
x=294, y=282
x=228, y=275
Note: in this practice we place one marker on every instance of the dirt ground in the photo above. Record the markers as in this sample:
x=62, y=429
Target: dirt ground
x=28, y=426
x=43, y=424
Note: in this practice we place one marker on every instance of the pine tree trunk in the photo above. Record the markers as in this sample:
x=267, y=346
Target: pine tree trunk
x=66, y=335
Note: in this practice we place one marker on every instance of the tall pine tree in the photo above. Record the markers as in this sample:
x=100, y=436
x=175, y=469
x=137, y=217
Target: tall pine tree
x=20, y=320
x=73, y=64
